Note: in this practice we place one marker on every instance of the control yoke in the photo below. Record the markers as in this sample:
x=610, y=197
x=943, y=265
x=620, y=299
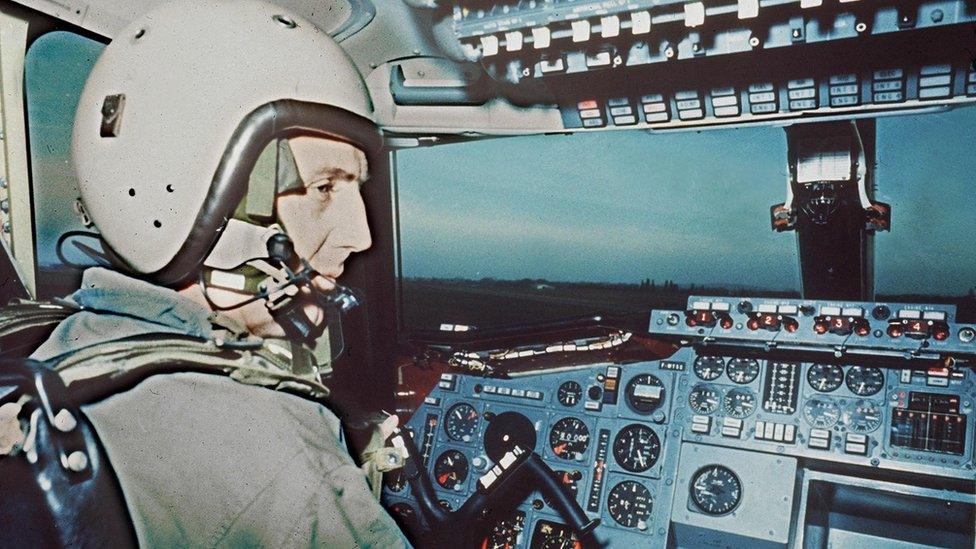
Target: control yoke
x=516, y=471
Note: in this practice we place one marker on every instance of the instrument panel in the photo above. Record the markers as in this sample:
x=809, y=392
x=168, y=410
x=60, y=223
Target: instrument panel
x=604, y=430
x=706, y=438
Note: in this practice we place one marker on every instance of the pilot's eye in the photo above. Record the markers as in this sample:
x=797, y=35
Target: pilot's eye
x=326, y=188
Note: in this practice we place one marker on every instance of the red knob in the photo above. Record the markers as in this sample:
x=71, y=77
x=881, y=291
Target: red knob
x=894, y=330
x=820, y=327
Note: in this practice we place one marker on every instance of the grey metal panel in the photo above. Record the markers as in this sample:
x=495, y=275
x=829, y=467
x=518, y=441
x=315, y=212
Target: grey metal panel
x=107, y=17
x=762, y=519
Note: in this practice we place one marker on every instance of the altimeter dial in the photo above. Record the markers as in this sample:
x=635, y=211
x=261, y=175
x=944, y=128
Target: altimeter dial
x=569, y=438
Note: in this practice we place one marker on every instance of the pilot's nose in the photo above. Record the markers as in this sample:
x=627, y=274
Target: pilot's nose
x=351, y=228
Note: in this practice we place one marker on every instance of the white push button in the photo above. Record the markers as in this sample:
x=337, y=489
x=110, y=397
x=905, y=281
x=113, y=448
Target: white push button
x=640, y=22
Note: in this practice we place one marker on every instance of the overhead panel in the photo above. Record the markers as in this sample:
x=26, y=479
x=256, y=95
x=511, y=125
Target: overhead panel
x=675, y=63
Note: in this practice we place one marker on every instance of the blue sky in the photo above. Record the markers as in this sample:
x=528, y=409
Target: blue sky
x=692, y=207
x=605, y=207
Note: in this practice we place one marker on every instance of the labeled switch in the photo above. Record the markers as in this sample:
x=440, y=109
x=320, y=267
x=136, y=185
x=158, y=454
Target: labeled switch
x=701, y=424
x=819, y=439
x=731, y=427
x=856, y=444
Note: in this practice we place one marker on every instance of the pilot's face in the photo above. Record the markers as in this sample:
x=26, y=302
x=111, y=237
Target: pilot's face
x=326, y=221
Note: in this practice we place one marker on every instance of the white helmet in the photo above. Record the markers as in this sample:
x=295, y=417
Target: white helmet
x=177, y=110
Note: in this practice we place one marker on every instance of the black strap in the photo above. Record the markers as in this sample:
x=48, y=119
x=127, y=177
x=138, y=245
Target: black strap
x=24, y=325
x=69, y=496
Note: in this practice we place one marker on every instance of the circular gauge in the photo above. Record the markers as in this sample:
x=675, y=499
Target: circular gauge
x=461, y=422
x=451, y=470
x=569, y=438
x=703, y=399
x=825, y=377
x=862, y=416
x=742, y=370
x=395, y=480
x=644, y=393
x=709, y=368
x=569, y=393
x=568, y=478
x=404, y=515
x=716, y=490
x=505, y=533
x=629, y=504
x=739, y=403
x=553, y=535
x=507, y=430
x=636, y=448
x=865, y=380
x=821, y=413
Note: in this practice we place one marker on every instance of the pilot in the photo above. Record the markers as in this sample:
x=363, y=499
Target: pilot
x=220, y=148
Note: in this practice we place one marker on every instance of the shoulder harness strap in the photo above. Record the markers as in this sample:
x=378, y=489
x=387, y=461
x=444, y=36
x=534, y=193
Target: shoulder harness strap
x=25, y=324
x=107, y=368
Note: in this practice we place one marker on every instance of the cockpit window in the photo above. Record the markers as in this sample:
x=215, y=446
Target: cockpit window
x=927, y=172
x=55, y=69
x=527, y=229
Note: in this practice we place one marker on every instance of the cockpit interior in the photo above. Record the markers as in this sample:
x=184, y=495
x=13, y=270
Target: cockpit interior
x=644, y=273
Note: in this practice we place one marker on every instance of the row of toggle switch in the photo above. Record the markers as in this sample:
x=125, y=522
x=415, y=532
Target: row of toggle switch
x=610, y=26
